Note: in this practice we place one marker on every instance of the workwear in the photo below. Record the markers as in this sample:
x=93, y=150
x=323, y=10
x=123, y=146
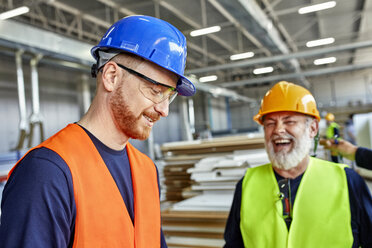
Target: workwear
x=321, y=218
x=285, y=96
x=152, y=39
x=332, y=129
x=102, y=219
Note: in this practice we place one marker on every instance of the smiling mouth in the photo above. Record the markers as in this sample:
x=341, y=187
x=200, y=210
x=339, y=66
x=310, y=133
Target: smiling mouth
x=149, y=119
x=282, y=143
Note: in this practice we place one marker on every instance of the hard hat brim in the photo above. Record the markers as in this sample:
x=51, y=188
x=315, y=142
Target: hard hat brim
x=185, y=87
x=259, y=117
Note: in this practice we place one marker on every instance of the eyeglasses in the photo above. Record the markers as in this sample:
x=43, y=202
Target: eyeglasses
x=151, y=89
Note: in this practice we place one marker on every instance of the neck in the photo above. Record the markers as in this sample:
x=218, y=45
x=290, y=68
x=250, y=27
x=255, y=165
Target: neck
x=99, y=122
x=295, y=171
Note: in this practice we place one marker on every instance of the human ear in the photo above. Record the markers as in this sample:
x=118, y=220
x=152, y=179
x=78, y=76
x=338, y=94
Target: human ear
x=314, y=126
x=109, y=76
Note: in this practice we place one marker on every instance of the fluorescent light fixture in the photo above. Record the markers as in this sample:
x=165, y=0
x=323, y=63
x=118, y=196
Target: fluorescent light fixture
x=216, y=91
x=263, y=70
x=14, y=12
x=204, y=31
x=324, y=61
x=242, y=56
x=317, y=7
x=208, y=78
x=320, y=42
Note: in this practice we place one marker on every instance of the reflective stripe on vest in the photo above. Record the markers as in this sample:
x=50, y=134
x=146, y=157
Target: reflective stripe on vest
x=321, y=212
x=102, y=219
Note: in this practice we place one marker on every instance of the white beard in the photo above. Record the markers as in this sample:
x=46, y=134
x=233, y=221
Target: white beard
x=288, y=160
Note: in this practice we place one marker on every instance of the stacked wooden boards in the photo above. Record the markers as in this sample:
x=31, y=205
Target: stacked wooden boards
x=181, y=157
x=194, y=229
x=207, y=171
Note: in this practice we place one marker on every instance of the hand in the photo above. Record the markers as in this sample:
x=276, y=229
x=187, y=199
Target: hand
x=344, y=148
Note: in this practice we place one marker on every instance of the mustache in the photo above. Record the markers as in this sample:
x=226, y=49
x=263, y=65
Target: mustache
x=154, y=116
x=283, y=136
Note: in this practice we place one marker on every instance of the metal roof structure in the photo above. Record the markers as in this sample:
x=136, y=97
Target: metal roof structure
x=272, y=29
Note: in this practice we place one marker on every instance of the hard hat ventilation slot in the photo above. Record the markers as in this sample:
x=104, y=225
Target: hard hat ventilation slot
x=152, y=53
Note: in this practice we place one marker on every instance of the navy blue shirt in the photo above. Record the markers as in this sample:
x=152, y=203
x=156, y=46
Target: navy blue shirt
x=38, y=206
x=360, y=208
x=363, y=158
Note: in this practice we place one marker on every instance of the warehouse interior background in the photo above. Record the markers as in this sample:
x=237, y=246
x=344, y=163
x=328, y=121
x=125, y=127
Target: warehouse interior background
x=45, y=64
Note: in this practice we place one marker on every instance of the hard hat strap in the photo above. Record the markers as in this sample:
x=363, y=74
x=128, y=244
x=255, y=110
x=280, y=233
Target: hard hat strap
x=102, y=58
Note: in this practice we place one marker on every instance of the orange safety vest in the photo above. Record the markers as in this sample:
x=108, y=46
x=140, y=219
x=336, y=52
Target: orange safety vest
x=102, y=219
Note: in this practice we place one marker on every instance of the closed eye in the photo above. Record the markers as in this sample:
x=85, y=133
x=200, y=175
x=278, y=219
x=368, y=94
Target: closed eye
x=270, y=124
x=155, y=91
x=290, y=122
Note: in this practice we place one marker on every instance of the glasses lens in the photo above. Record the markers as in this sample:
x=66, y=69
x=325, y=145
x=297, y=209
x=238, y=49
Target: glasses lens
x=172, y=96
x=151, y=89
x=157, y=93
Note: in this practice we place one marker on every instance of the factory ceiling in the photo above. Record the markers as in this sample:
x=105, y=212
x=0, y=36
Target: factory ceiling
x=273, y=31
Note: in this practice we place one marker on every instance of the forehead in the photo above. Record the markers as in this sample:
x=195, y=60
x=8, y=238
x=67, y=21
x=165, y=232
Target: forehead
x=282, y=115
x=158, y=73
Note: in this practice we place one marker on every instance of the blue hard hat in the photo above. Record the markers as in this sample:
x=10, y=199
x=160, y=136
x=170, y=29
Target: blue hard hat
x=152, y=39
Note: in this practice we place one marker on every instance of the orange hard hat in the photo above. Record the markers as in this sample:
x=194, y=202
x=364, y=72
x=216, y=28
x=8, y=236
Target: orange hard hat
x=285, y=96
x=329, y=117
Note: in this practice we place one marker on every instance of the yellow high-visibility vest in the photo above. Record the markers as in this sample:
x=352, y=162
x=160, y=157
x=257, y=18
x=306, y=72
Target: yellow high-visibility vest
x=321, y=212
x=331, y=130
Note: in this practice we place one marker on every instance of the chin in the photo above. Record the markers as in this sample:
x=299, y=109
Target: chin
x=140, y=134
x=286, y=160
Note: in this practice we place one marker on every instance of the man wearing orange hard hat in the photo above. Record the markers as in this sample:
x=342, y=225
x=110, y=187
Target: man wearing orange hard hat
x=297, y=200
x=332, y=132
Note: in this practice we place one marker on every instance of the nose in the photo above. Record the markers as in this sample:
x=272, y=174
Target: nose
x=279, y=128
x=162, y=108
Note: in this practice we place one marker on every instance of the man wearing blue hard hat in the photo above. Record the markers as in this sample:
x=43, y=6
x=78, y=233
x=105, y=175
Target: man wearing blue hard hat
x=86, y=186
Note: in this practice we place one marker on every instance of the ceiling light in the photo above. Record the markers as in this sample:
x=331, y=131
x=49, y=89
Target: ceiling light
x=263, y=70
x=205, y=31
x=14, y=12
x=242, y=56
x=320, y=42
x=325, y=61
x=317, y=7
x=208, y=78
x=216, y=91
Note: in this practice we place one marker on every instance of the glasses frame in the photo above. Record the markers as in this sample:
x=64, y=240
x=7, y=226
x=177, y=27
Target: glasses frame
x=136, y=73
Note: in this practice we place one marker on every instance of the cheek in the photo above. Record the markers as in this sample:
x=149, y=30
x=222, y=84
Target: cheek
x=267, y=137
x=267, y=133
x=298, y=132
x=135, y=101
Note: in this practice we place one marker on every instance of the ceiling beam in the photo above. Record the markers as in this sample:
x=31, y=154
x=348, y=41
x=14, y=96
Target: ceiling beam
x=312, y=73
x=288, y=39
x=116, y=6
x=236, y=23
x=75, y=11
x=50, y=44
x=364, y=32
x=180, y=14
x=265, y=60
